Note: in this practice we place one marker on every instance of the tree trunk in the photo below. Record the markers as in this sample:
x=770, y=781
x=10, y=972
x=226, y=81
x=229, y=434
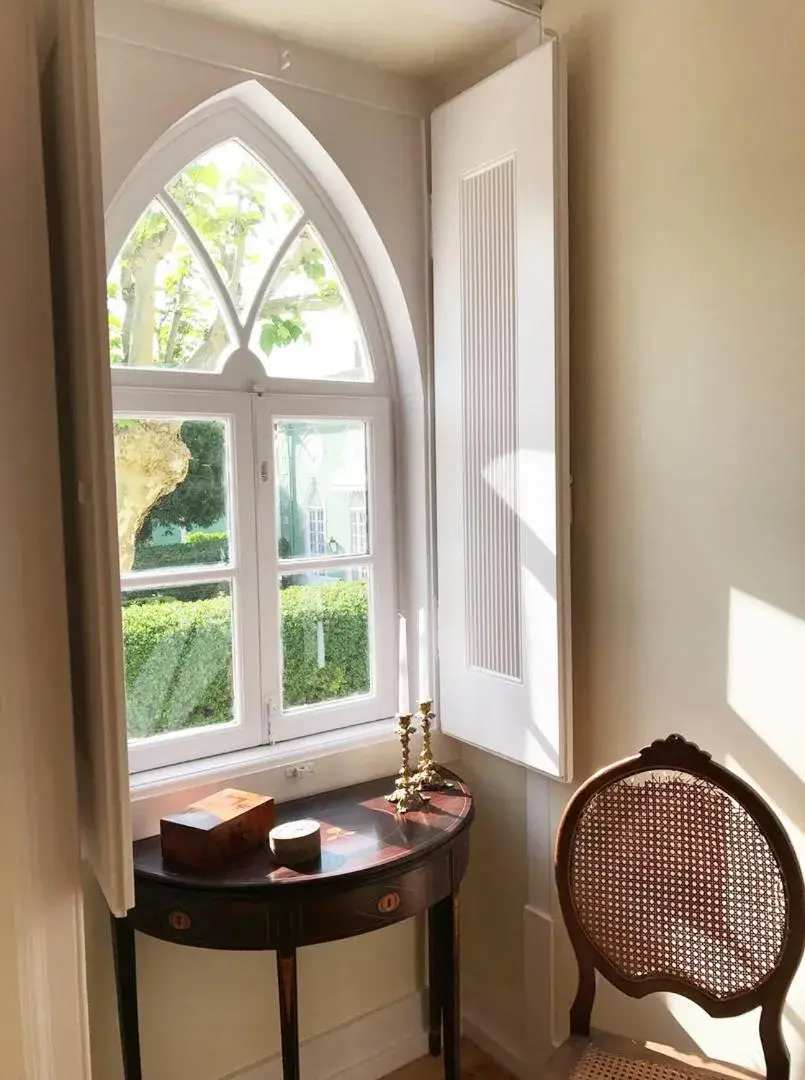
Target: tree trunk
x=151, y=460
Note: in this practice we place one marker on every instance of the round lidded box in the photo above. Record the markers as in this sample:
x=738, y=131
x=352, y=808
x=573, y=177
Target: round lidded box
x=295, y=842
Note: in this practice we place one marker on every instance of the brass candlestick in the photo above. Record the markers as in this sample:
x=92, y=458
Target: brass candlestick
x=405, y=796
x=427, y=777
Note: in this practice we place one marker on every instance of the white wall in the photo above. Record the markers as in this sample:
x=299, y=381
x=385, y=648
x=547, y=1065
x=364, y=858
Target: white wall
x=205, y=1014
x=687, y=246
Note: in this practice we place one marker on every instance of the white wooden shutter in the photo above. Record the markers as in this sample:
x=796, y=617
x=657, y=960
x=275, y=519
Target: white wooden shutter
x=501, y=405
x=75, y=214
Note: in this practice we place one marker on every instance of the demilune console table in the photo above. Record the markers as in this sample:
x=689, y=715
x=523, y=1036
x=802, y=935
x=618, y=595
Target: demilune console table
x=376, y=868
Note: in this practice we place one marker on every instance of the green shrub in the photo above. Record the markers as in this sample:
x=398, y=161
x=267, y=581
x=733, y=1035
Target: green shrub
x=178, y=653
x=178, y=664
x=212, y=549
x=202, y=537
x=342, y=608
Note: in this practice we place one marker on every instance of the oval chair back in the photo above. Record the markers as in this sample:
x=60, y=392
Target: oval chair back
x=674, y=875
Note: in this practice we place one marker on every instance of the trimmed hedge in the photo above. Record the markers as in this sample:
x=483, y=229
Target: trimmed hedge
x=178, y=664
x=212, y=549
x=342, y=609
x=179, y=654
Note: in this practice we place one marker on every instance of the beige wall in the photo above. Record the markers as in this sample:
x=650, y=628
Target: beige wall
x=687, y=201
x=493, y=896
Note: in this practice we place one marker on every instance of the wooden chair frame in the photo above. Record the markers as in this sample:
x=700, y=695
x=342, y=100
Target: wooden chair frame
x=676, y=754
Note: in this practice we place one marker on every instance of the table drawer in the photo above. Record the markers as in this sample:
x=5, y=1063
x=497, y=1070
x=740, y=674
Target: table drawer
x=206, y=922
x=387, y=900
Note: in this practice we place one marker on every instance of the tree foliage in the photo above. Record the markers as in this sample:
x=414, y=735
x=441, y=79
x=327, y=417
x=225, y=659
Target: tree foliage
x=163, y=313
x=200, y=500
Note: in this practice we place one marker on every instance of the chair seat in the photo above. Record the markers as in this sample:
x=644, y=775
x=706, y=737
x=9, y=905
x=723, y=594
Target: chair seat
x=607, y=1057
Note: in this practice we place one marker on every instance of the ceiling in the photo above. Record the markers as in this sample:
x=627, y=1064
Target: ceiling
x=413, y=37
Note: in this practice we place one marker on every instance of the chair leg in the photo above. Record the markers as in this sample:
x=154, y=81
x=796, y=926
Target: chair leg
x=582, y=1008
x=778, y=1062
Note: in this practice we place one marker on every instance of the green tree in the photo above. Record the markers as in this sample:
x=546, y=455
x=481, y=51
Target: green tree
x=163, y=313
x=200, y=499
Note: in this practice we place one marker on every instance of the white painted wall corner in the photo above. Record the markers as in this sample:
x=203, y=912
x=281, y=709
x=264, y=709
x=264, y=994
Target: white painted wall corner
x=494, y=1022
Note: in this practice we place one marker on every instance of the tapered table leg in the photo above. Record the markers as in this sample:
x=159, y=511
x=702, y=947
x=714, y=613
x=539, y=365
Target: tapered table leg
x=125, y=961
x=289, y=1013
x=451, y=985
x=435, y=991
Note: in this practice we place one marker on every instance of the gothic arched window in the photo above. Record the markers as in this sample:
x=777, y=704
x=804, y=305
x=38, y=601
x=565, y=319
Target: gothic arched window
x=249, y=370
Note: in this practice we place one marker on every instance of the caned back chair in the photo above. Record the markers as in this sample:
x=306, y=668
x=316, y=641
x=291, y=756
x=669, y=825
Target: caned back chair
x=674, y=875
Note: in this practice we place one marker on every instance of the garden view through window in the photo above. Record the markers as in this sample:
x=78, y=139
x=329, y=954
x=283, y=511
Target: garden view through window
x=249, y=574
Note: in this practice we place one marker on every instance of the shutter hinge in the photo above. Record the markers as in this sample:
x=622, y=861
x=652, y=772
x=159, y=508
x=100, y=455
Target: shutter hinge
x=264, y=471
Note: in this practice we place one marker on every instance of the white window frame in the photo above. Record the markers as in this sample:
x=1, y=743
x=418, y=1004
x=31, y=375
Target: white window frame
x=380, y=703
x=242, y=384
x=241, y=572
x=239, y=368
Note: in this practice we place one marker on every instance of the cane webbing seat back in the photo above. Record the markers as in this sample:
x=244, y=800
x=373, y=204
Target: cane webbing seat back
x=674, y=875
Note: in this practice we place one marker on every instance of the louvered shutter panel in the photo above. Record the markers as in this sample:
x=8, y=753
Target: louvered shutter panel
x=75, y=213
x=501, y=406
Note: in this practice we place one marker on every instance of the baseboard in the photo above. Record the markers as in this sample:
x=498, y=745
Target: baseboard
x=364, y=1049
x=493, y=1020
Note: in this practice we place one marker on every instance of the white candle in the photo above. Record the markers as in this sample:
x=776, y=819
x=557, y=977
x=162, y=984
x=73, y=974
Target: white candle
x=404, y=703
x=424, y=652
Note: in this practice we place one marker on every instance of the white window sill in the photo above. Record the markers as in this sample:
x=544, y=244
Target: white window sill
x=337, y=759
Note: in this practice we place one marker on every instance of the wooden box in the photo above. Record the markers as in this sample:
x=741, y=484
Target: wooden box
x=215, y=830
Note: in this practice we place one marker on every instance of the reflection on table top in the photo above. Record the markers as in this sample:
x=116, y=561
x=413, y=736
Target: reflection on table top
x=361, y=832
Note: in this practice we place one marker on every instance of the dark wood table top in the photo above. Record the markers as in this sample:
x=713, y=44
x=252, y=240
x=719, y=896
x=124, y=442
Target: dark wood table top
x=362, y=834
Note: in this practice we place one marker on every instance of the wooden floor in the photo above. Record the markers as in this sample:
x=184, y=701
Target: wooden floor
x=475, y=1065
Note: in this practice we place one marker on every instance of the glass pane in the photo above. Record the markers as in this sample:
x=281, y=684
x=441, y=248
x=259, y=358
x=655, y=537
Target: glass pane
x=172, y=492
x=177, y=646
x=321, y=488
x=307, y=328
x=325, y=636
x=162, y=309
x=240, y=211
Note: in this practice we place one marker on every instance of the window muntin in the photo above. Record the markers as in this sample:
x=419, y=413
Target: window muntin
x=306, y=327
x=163, y=312
x=240, y=212
x=342, y=629
x=225, y=257
x=288, y=280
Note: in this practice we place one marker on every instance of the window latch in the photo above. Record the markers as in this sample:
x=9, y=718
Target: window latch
x=271, y=708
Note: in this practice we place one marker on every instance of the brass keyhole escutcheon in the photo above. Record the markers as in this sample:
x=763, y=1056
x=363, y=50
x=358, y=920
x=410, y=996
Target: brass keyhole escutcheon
x=179, y=920
x=388, y=903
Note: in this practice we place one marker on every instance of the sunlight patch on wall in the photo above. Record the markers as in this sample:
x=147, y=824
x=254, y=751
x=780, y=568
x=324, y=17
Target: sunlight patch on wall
x=732, y=1039
x=765, y=683
x=536, y=490
x=793, y=1026
x=736, y=1039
